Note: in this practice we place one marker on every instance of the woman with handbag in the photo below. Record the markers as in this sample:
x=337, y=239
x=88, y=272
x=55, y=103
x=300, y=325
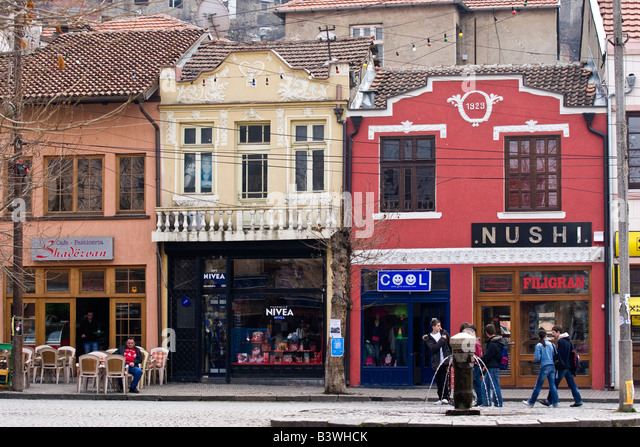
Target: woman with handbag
x=544, y=354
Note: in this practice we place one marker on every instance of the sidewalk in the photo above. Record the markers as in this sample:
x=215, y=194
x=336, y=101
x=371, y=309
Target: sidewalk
x=599, y=409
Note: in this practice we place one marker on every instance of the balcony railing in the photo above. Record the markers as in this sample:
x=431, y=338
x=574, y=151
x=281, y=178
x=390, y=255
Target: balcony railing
x=199, y=224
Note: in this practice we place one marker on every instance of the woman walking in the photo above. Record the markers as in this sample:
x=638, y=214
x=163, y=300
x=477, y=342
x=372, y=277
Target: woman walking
x=544, y=354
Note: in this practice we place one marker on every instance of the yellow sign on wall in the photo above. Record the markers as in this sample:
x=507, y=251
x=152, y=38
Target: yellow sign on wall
x=634, y=243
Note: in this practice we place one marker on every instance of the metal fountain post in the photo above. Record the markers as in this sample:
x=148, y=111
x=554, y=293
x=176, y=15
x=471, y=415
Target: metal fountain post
x=462, y=348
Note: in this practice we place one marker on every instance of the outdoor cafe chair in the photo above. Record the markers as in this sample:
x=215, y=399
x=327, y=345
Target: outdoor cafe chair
x=157, y=369
x=115, y=368
x=88, y=368
x=143, y=367
x=27, y=359
x=50, y=361
x=69, y=353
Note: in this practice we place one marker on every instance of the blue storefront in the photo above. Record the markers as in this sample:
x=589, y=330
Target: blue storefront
x=397, y=308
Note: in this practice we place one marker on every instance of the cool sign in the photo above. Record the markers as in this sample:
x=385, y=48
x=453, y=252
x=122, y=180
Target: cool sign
x=404, y=280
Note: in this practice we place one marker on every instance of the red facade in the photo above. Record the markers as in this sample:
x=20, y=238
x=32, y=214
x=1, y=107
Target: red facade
x=518, y=193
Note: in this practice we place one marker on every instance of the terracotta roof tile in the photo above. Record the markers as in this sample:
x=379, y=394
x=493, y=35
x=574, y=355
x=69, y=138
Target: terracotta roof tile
x=150, y=22
x=101, y=64
x=301, y=5
x=630, y=17
x=310, y=55
x=572, y=80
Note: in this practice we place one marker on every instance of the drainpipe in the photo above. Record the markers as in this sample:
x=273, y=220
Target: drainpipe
x=588, y=118
x=159, y=273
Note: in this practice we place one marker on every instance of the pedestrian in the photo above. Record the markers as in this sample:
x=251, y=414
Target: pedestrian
x=565, y=347
x=491, y=369
x=133, y=358
x=89, y=333
x=438, y=343
x=477, y=371
x=544, y=355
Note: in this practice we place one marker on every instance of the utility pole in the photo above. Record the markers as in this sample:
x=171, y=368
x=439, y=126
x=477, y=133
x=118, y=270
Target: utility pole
x=625, y=352
x=17, y=379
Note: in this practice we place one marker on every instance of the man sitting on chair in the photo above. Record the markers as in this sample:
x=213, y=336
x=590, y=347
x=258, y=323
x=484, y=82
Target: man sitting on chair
x=133, y=358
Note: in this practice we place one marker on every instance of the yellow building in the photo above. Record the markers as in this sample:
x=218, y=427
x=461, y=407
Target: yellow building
x=252, y=176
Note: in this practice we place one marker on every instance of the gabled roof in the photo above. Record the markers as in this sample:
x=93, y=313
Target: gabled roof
x=157, y=22
x=630, y=17
x=100, y=65
x=310, y=55
x=310, y=5
x=571, y=80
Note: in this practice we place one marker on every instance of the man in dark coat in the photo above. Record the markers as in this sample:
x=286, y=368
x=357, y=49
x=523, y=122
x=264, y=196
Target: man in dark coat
x=438, y=343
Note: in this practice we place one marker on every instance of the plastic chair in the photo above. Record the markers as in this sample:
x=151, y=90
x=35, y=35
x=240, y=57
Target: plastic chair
x=50, y=361
x=111, y=351
x=158, y=365
x=27, y=359
x=143, y=367
x=115, y=369
x=69, y=353
x=88, y=368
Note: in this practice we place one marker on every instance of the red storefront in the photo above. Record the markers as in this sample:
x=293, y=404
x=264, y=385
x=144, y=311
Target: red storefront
x=494, y=183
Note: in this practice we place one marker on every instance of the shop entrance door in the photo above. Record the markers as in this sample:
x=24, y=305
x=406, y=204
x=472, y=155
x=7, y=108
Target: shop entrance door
x=427, y=312
x=214, y=307
x=500, y=316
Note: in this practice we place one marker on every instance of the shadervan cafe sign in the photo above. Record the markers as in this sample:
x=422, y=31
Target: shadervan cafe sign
x=69, y=249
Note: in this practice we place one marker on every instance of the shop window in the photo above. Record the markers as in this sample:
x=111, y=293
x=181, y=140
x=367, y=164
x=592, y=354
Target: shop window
x=74, y=185
x=385, y=335
x=532, y=174
x=130, y=280
x=573, y=316
x=29, y=324
x=29, y=281
x=57, y=329
x=408, y=168
x=128, y=322
x=57, y=280
x=92, y=281
x=131, y=183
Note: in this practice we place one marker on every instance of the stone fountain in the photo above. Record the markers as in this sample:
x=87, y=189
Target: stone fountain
x=462, y=348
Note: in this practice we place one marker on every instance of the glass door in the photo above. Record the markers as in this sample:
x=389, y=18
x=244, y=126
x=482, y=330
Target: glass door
x=215, y=333
x=500, y=316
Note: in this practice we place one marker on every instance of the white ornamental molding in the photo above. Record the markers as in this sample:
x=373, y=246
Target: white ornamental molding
x=407, y=127
x=170, y=128
x=479, y=256
x=294, y=88
x=487, y=105
x=251, y=71
x=531, y=126
x=280, y=126
x=251, y=115
x=211, y=90
x=224, y=118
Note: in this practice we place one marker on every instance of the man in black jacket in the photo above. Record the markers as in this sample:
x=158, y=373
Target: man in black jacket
x=133, y=358
x=438, y=343
x=491, y=361
x=563, y=371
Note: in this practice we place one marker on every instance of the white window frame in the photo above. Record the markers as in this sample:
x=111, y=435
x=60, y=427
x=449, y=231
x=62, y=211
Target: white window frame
x=197, y=149
x=310, y=146
x=370, y=30
x=254, y=148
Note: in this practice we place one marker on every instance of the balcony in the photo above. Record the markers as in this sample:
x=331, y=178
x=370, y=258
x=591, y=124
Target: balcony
x=217, y=224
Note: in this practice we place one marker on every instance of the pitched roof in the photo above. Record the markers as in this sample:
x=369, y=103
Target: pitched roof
x=100, y=65
x=309, y=5
x=310, y=55
x=149, y=22
x=571, y=80
x=630, y=17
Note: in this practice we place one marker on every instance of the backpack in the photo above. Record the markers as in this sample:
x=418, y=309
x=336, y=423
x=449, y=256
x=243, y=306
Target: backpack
x=504, y=358
x=574, y=361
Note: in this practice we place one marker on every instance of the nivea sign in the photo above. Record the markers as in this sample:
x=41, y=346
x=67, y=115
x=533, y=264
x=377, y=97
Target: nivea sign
x=404, y=280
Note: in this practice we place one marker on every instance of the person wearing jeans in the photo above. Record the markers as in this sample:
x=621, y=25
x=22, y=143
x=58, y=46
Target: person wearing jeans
x=491, y=362
x=133, y=358
x=544, y=354
x=564, y=372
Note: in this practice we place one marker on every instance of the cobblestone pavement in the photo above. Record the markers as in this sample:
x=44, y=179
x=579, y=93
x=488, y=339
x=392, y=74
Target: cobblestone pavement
x=295, y=405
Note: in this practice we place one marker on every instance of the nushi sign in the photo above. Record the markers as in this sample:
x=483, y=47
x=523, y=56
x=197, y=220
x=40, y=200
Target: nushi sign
x=69, y=249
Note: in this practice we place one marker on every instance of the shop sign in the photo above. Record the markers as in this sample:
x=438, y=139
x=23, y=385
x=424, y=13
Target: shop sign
x=634, y=306
x=404, y=280
x=545, y=234
x=70, y=249
x=554, y=282
x=214, y=280
x=634, y=243
x=278, y=312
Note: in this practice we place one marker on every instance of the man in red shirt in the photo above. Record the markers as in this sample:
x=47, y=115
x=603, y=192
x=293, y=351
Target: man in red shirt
x=133, y=358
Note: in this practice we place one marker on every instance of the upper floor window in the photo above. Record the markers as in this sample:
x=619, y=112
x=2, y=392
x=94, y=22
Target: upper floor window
x=408, y=168
x=21, y=168
x=254, y=176
x=74, y=184
x=370, y=30
x=130, y=183
x=175, y=3
x=532, y=173
x=634, y=151
x=254, y=133
x=309, y=147
x=197, y=164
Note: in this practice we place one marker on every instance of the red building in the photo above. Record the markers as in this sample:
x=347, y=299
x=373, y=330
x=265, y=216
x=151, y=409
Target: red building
x=488, y=206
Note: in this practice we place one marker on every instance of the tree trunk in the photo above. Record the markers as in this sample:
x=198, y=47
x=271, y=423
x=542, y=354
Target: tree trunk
x=335, y=377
